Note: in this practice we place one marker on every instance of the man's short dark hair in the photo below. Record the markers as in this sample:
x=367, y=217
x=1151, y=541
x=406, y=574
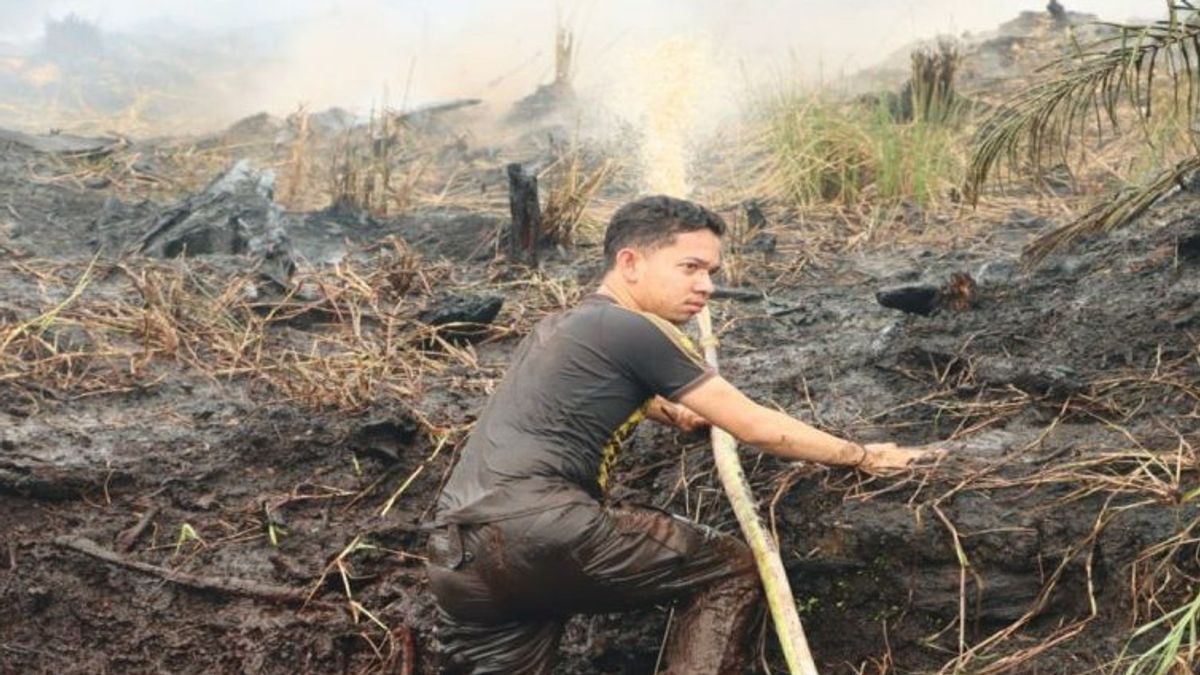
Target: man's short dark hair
x=651, y=222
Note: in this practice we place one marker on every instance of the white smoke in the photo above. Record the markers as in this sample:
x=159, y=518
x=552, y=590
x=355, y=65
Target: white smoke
x=324, y=53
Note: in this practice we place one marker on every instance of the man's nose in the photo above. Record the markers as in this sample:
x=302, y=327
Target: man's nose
x=705, y=283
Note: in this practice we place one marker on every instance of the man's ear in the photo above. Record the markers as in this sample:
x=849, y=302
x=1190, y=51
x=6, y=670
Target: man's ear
x=629, y=265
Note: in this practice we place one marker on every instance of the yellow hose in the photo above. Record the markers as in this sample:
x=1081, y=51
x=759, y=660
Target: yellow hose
x=766, y=552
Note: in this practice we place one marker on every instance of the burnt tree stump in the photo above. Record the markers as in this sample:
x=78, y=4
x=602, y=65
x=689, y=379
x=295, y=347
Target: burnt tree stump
x=1057, y=11
x=526, y=215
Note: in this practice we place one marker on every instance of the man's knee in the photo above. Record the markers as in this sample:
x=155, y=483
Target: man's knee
x=739, y=556
x=743, y=581
x=741, y=588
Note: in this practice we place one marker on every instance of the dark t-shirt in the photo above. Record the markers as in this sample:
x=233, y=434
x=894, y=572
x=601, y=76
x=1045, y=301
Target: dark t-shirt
x=577, y=387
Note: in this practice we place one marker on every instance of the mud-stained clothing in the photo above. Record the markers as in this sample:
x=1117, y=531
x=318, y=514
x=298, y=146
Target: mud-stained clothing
x=523, y=539
x=552, y=430
x=506, y=589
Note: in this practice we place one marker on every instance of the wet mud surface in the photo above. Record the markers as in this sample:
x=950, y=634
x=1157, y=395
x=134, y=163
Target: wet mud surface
x=175, y=500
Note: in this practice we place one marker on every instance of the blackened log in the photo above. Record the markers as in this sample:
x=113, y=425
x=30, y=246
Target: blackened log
x=755, y=218
x=526, y=215
x=462, y=318
x=922, y=299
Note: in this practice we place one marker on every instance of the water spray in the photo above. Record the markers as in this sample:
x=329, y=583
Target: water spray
x=669, y=104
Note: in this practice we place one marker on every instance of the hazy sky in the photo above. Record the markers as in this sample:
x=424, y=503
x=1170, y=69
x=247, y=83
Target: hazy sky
x=914, y=17
x=342, y=52
x=840, y=31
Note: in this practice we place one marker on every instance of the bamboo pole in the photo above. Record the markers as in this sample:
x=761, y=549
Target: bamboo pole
x=766, y=552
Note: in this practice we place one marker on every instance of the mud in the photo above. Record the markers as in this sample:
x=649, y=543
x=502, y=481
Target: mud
x=1021, y=382
x=164, y=514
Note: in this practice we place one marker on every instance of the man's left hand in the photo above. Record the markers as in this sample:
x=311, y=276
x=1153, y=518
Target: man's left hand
x=889, y=457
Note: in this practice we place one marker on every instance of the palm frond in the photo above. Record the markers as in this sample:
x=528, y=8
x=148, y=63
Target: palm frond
x=1114, y=212
x=1090, y=86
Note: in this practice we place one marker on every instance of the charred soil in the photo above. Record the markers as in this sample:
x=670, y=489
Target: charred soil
x=203, y=469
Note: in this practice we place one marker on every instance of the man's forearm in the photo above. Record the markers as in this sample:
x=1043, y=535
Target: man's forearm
x=769, y=430
x=792, y=439
x=772, y=431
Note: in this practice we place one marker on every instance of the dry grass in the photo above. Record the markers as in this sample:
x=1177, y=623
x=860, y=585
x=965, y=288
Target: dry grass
x=1135, y=474
x=298, y=169
x=343, y=338
x=119, y=324
x=572, y=189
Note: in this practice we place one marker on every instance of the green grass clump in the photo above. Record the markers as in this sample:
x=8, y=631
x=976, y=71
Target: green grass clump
x=1177, y=648
x=823, y=151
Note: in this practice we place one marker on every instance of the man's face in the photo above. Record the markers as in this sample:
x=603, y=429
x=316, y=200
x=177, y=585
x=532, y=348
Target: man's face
x=675, y=281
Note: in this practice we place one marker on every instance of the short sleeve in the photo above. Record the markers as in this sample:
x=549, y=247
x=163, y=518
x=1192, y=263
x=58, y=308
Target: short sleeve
x=656, y=353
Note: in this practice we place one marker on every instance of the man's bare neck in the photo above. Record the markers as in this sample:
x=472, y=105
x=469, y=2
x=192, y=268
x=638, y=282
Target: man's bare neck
x=621, y=295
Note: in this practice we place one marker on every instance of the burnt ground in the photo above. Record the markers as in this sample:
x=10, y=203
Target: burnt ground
x=194, y=463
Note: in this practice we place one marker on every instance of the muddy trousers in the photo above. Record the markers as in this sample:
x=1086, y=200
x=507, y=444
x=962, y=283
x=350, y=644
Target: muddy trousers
x=505, y=589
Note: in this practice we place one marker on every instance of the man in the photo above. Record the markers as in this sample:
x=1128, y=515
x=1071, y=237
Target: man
x=525, y=539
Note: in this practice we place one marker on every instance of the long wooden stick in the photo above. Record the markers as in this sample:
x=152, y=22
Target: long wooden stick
x=766, y=552
x=234, y=586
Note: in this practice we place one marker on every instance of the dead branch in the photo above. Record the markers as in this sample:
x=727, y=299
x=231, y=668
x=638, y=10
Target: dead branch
x=232, y=586
x=127, y=539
